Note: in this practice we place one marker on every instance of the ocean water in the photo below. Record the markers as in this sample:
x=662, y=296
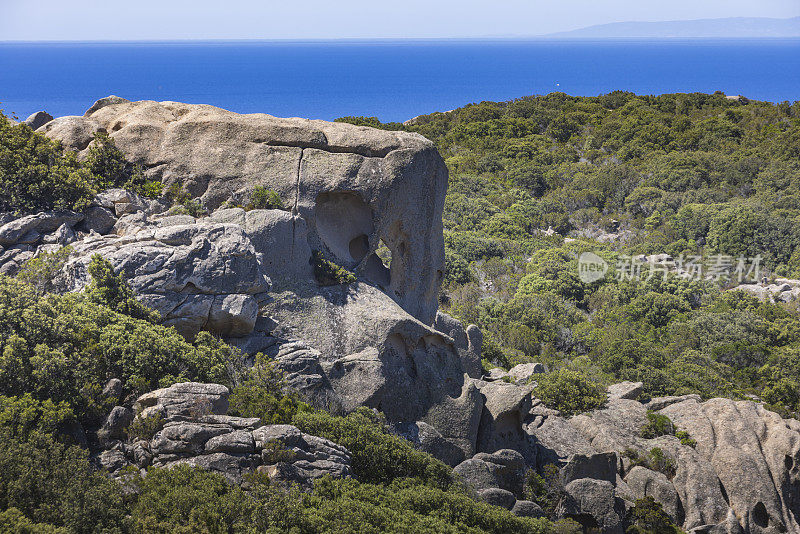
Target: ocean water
x=392, y=80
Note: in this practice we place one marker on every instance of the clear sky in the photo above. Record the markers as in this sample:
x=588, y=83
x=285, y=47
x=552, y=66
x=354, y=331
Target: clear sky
x=329, y=19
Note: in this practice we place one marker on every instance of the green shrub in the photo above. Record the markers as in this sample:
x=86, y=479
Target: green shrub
x=53, y=483
x=264, y=199
x=546, y=489
x=111, y=289
x=654, y=460
x=685, y=438
x=41, y=270
x=145, y=427
x=378, y=456
x=66, y=347
x=262, y=395
x=328, y=273
x=657, y=425
x=569, y=391
x=648, y=517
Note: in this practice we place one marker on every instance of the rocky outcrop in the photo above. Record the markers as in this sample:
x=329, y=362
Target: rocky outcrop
x=247, y=275
x=741, y=476
x=353, y=187
x=196, y=431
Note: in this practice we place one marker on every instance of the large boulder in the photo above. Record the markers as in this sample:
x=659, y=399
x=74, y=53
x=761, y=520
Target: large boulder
x=354, y=187
x=40, y=118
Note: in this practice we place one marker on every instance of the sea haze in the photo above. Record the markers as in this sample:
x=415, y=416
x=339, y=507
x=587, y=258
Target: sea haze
x=393, y=80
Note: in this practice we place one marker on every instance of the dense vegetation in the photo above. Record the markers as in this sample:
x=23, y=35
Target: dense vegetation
x=677, y=174
x=684, y=175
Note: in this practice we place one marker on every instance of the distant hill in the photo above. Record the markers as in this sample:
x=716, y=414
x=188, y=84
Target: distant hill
x=703, y=28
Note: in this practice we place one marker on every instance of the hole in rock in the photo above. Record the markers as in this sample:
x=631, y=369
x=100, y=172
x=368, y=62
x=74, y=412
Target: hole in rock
x=760, y=515
x=377, y=272
x=343, y=222
x=359, y=246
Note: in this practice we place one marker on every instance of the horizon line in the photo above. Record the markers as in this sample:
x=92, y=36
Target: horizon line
x=546, y=37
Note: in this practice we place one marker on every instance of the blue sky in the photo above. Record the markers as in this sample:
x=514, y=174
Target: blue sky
x=328, y=19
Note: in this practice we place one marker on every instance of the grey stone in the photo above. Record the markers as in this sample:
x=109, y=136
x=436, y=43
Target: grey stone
x=591, y=503
x=41, y=223
x=426, y=438
x=113, y=389
x=524, y=372
x=239, y=441
x=497, y=497
x=75, y=133
x=99, y=219
x=116, y=424
x=497, y=373
x=348, y=183
x=186, y=398
x=625, y=390
x=113, y=460
x=287, y=435
x=600, y=466
x=643, y=482
x=659, y=403
x=38, y=119
x=527, y=509
x=505, y=407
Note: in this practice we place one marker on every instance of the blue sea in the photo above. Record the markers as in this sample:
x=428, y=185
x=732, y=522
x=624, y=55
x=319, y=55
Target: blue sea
x=392, y=80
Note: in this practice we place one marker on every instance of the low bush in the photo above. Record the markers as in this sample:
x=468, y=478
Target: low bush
x=378, y=456
x=570, y=391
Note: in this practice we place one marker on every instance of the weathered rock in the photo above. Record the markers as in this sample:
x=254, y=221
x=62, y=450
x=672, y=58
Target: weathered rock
x=468, y=342
x=116, y=424
x=753, y=452
x=457, y=420
x=38, y=119
x=75, y=133
x=16, y=231
x=503, y=469
x=353, y=186
x=505, y=407
x=497, y=497
x=497, y=373
x=527, y=509
x=524, y=372
x=62, y=236
x=643, y=482
x=600, y=466
x=239, y=441
x=99, y=219
x=592, y=503
x=426, y=438
x=555, y=439
x=659, y=403
x=197, y=276
x=186, y=398
x=113, y=389
x=286, y=435
x=113, y=460
x=625, y=390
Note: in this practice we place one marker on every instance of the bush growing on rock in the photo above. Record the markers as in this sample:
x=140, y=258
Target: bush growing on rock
x=38, y=174
x=264, y=199
x=570, y=391
x=66, y=347
x=657, y=425
x=648, y=517
x=378, y=456
x=262, y=395
x=328, y=273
